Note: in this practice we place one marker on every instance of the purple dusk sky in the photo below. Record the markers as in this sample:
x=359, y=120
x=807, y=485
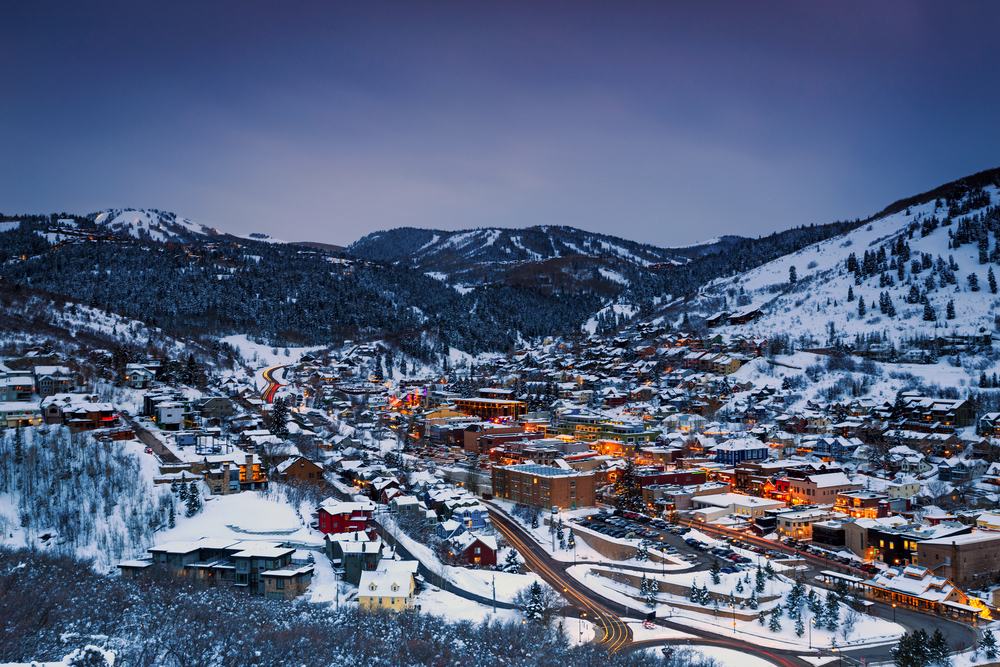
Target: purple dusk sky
x=665, y=122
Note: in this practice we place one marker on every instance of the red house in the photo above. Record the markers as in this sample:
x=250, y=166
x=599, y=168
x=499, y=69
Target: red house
x=474, y=550
x=344, y=517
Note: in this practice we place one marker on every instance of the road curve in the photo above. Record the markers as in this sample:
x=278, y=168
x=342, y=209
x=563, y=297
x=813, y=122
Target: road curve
x=616, y=633
x=272, y=384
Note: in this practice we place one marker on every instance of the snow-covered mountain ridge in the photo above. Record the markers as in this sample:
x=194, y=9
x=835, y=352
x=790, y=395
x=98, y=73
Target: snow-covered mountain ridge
x=923, y=270
x=152, y=224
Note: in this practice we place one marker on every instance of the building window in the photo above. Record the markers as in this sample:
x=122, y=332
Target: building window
x=280, y=584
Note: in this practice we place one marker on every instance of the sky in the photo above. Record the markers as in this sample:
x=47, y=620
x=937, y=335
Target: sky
x=665, y=122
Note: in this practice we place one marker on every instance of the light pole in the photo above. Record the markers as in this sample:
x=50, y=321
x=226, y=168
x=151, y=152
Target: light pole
x=733, y=607
x=893, y=612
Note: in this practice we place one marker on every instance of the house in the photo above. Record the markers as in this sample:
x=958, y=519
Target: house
x=389, y=589
x=138, y=376
x=215, y=407
x=403, y=504
x=474, y=550
x=287, y=583
x=169, y=415
x=473, y=517
x=343, y=517
x=734, y=452
x=449, y=529
x=15, y=388
x=299, y=468
x=231, y=473
x=238, y=564
x=17, y=414
x=53, y=380
x=357, y=557
x=78, y=411
x=957, y=471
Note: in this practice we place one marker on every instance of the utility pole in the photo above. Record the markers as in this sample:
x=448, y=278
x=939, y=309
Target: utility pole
x=494, y=593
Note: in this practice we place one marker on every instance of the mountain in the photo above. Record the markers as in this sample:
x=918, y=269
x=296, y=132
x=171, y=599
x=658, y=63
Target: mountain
x=555, y=258
x=925, y=267
x=151, y=224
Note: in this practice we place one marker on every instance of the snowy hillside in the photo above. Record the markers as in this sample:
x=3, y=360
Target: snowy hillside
x=152, y=224
x=923, y=271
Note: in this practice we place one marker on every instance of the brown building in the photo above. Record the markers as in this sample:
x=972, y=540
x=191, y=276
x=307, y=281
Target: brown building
x=474, y=434
x=300, y=468
x=544, y=486
x=490, y=408
x=970, y=561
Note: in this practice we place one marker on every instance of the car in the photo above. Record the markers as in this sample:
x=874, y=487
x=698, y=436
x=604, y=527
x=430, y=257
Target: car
x=149, y=450
x=727, y=570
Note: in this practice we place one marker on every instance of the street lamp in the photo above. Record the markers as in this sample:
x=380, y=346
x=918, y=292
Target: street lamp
x=893, y=612
x=733, y=607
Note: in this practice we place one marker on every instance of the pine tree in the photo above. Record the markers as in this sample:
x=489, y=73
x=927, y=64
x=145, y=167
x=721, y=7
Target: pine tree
x=769, y=571
x=649, y=589
x=850, y=293
x=929, y=314
x=534, y=520
x=861, y=307
x=279, y=419
x=716, y=572
x=950, y=310
x=800, y=627
x=762, y=618
x=973, y=282
x=534, y=610
x=18, y=446
x=775, y=624
x=937, y=649
x=992, y=279
x=752, y=601
x=627, y=489
x=570, y=540
x=989, y=645
x=512, y=564
x=792, y=276
x=642, y=551
x=832, y=612
x=760, y=579
x=173, y=515
x=193, y=501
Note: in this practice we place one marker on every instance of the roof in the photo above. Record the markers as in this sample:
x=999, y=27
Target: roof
x=465, y=540
x=333, y=506
x=187, y=547
x=288, y=572
x=830, y=479
x=544, y=471
x=968, y=538
x=380, y=584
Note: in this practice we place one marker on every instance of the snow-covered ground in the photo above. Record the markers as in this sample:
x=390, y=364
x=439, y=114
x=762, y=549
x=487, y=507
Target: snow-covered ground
x=867, y=631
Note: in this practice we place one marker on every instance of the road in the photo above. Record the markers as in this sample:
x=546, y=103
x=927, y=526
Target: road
x=608, y=613
x=616, y=633
x=272, y=384
x=148, y=439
